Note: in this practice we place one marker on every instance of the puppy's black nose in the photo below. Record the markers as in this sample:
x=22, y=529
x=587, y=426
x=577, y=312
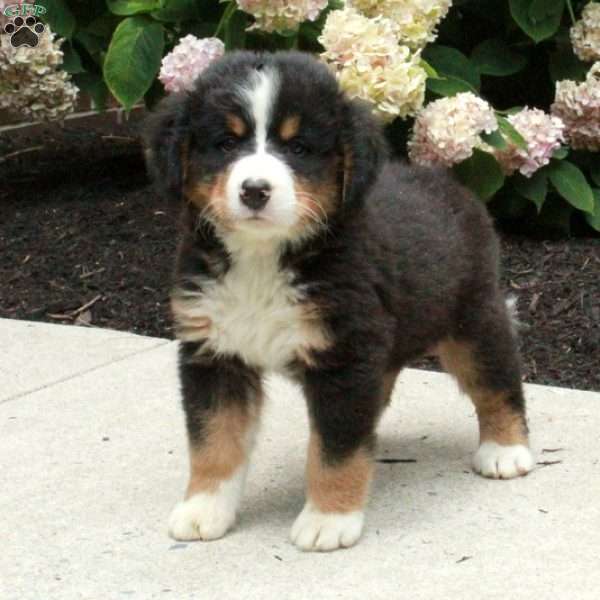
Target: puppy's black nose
x=255, y=193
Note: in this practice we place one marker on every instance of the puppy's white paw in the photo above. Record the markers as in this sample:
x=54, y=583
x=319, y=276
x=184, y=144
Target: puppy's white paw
x=315, y=530
x=502, y=462
x=201, y=517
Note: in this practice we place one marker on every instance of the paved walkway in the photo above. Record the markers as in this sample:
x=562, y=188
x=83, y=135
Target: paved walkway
x=93, y=456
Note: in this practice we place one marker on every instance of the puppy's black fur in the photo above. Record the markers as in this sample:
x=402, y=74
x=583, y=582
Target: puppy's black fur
x=405, y=263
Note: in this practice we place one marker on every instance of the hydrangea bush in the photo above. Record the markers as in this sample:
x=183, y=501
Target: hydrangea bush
x=506, y=92
x=32, y=85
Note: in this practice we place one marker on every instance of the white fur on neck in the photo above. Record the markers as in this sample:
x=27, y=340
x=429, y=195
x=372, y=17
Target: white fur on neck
x=253, y=311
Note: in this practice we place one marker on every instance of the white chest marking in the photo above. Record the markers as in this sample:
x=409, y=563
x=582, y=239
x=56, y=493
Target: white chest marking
x=253, y=312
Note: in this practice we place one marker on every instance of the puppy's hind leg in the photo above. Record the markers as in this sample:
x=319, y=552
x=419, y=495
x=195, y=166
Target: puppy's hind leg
x=484, y=359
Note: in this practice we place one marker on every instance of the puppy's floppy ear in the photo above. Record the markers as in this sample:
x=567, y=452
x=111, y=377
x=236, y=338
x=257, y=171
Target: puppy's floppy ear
x=365, y=150
x=166, y=144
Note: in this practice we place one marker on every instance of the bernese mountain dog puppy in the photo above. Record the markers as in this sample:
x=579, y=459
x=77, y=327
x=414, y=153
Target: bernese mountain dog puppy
x=307, y=251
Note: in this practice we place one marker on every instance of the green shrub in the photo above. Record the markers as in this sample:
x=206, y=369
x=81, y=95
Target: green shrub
x=510, y=53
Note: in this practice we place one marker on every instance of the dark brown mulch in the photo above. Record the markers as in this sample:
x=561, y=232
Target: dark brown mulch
x=84, y=228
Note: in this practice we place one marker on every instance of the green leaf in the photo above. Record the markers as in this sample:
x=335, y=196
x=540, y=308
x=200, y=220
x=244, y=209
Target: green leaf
x=594, y=219
x=235, y=31
x=429, y=70
x=594, y=168
x=92, y=43
x=103, y=26
x=539, y=19
x=93, y=84
x=511, y=133
x=449, y=62
x=449, y=86
x=126, y=8
x=513, y=110
x=71, y=61
x=494, y=139
x=133, y=58
x=174, y=11
x=481, y=173
x=539, y=10
x=571, y=184
x=534, y=188
x=494, y=57
x=59, y=17
x=561, y=153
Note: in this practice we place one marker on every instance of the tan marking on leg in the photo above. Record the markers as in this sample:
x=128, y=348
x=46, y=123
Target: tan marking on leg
x=498, y=421
x=189, y=326
x=223, y=449
x=236, y=125
x=339, y=488
x=289, y=128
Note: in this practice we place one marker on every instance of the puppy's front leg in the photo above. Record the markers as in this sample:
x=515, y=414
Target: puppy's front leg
x=222, y=399
x=343, y=415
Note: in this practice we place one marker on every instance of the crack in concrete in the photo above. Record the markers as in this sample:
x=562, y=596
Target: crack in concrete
x=84, y=372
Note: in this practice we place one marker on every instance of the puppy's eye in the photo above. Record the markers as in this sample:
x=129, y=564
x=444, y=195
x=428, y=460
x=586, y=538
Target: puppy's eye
x=297, y=147
x=228, y=144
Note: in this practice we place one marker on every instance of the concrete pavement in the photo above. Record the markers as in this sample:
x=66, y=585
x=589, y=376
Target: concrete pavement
x=93, y=457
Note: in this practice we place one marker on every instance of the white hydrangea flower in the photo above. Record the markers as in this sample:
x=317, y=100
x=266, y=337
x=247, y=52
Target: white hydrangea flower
x=543, y=134
x=370, y=65
x=349, y=36
x=417, y=20
x=446, y=131
x=585, y=34
x=578, y=105
x=182, y=66
x=281, y=15
x=32, y=85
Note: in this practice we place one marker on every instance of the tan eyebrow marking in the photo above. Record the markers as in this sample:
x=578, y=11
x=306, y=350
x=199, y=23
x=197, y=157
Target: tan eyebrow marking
x=236, y=124
x=289, y=128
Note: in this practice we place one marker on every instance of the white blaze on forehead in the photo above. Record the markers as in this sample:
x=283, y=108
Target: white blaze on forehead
x=260, y=95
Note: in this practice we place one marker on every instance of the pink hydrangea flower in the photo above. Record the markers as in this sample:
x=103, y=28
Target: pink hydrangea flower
x=447, y=130
x=578, y=105
x=182, y=66
x=543, y=133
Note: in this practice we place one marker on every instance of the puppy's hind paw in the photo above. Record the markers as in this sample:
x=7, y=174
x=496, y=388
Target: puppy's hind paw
x=201, y=517
x=502, y=462
x=318, y=531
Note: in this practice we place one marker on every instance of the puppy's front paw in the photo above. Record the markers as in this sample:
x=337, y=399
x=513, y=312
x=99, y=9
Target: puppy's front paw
x=315, y=530
x=502, y=462
x=201, y=517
